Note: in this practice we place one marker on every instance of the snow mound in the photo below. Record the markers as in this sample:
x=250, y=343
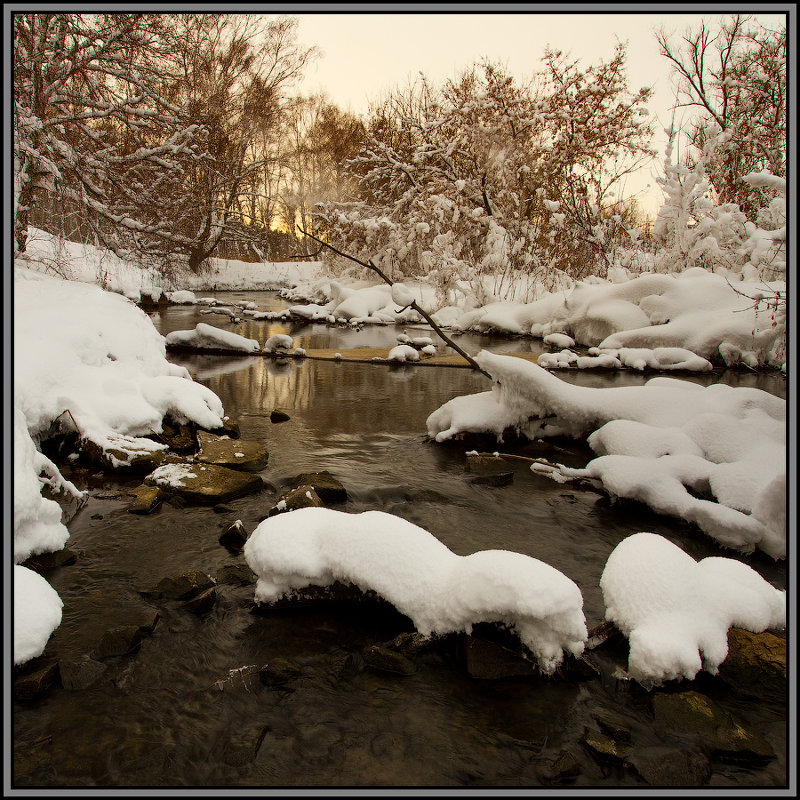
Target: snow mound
x=725, y=444
x=676, y=611
x=441, y=592
x=278, y=341
x=403, y=352
x=37, y=613
x=207, y=337
x=182, y=297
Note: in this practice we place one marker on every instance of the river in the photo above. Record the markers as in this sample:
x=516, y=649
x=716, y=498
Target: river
x=156, y=719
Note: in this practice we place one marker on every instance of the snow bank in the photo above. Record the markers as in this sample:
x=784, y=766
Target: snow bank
x=207, y=337
x=438, y=590
x=640, y=358
x=662, y=444
x=37, y=613
x=94, y=354
x=95, y=265
x=676, y=611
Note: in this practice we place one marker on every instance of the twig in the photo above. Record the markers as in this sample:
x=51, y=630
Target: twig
x=413, y=304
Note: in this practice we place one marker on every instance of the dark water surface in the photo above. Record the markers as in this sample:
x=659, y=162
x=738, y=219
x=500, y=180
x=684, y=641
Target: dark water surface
x=156, y=719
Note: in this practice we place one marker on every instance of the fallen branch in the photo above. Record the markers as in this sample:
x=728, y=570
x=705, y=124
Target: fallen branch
x=421, y=311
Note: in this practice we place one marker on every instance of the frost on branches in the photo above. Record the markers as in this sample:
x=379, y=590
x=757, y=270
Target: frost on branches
x=488, y=177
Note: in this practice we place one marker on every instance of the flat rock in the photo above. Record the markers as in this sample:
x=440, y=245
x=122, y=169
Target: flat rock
x=303, y=496
x=694, y=713
x=146, y=499
x=756, y=662
x=560, y=768
x=240, y=454
x=205, y=484
x=329, y=489
x=605, y=749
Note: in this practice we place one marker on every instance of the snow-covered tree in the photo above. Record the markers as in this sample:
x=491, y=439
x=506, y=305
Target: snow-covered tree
x=91, y=126
x=489, y=177
x=733, y=80
x=148, y=124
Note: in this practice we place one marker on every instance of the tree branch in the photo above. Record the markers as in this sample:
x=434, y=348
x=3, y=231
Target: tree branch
x=421, y=311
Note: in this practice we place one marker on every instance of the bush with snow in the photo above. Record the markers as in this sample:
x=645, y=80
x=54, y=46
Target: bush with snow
x=440, y=592
x=676, y=611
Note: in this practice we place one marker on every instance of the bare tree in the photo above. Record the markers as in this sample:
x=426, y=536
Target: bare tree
x=734, y=80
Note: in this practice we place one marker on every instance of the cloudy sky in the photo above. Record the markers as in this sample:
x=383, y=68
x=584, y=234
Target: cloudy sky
x=365, y=55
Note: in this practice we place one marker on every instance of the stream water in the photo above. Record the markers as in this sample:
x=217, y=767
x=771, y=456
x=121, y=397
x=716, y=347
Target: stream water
x=155, y=718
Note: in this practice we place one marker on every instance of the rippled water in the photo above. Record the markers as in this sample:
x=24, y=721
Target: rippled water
x=155, y=718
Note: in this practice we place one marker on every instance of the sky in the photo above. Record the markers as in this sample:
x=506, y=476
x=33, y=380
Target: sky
x=366, y=55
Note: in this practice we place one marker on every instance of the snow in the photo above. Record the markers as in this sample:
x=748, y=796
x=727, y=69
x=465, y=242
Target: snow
x=676, y=611
x=441, y=592
x=403, y=352
x=401, y=295
x=182, y=297
x=172, y=476
x=278, y=341
x=640, y=358
x=95, y=355
x=560, y=340
x=207, y=337
x=661, y=444
x=37, y=613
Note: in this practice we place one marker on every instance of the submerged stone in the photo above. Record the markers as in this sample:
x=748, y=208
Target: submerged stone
x=119, y=641
x=278, y=671
x=80, y=673
x=671, y=766
x=695, y=714
x=183, y=585
x=386, y=660
x=44, y=562
x=201, y=602
x=561, y=768
x=35, y=678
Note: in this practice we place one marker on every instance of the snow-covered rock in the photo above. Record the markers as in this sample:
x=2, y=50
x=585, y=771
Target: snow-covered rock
x=676, y=611
x=207, y=337
x=441, y=592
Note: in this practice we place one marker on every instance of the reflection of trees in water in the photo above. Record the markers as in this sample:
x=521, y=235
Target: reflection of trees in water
x=342, y=396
